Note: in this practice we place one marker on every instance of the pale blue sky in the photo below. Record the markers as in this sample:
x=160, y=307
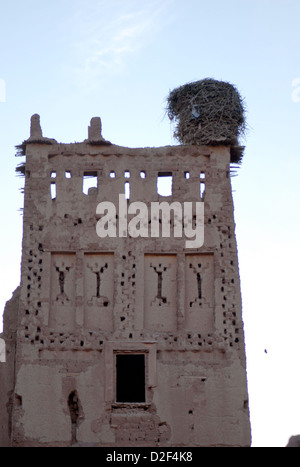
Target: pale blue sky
x=70, y=60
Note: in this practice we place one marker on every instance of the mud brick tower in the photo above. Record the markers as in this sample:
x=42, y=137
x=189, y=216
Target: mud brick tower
x=125, y=340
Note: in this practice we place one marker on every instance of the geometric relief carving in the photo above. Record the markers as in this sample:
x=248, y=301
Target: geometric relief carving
x=160, y=292
x=160, y=270
x=62, y=272
x=98, y=269
x=62, y=314
x=99, y=290
x=199, y=292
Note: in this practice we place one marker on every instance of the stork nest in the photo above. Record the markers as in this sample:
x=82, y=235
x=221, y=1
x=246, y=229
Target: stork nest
x=207, y=112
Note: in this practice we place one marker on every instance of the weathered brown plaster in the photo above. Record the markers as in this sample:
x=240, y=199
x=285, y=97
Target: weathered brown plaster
x=83, y=299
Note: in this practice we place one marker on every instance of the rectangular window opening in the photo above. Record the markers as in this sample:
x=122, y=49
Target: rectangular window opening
x=112, y=174
x=164, y=183
x=130, y=381
x=68, y=174
x=53, y=175
x=127, y=190
x=53, y=190
x=90, y=180
x=142, y=174
x=202, y=190
x=187, y=175
x=127, y=174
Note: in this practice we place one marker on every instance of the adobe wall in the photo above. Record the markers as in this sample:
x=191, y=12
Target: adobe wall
x=7, y=367
x=84, y=300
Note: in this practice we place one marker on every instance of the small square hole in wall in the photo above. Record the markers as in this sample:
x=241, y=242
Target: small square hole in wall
x=112, y=174
x=143, y=174
x=53, y=175
x=127, y=174
x=130, y=378
x=68, y=174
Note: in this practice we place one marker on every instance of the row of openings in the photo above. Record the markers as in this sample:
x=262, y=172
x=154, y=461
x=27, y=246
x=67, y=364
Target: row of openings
x=164, y=182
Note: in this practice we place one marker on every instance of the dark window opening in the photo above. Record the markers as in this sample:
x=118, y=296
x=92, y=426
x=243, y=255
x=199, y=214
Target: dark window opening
x=74, y=409
x=131, y=378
